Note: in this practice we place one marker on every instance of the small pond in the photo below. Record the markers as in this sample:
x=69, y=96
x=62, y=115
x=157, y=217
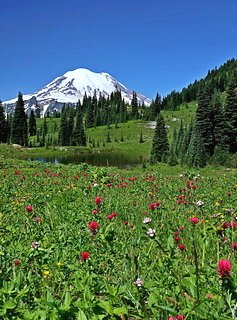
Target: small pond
x=105, y=159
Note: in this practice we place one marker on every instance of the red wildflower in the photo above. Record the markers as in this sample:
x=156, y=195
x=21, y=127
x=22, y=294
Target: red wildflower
x=17, y=172
x=98, y=200
x=180, y=317
x=224, y=268
x=234, y=245
x=94, y=211
x=16, y=262
x=181, y=246
x=93, y=226
x=194, y=220
x=112, y=215
x=177, y=239
x=37, y=219
x=84, y=256
x=153, y=206
x=29, y=208
x=125, y=223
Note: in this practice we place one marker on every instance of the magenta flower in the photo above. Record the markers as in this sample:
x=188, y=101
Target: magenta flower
x=224, y=268
x=194, y=220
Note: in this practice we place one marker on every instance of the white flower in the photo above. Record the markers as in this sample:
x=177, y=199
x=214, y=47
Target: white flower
x=35, y=245
x=139, y=282
x=151, y=232
x=147, y=220
x=199, y=203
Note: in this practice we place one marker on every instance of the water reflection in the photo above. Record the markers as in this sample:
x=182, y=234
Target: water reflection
x=114, y=159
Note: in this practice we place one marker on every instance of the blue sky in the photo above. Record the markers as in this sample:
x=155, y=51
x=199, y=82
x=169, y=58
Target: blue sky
x=149, y=45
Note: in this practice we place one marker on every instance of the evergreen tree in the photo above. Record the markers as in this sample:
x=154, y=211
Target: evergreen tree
x=79, y=136
x=231, y=116
x=70, y=125
x=204, y=123
x=134, y=105
x=160, y=145
x=63, y=139
x=196, y=153
x=218, y=120
x=90, y=116
x=19, y=134
x=155, y=107
x=32, y=124
x=3, y=125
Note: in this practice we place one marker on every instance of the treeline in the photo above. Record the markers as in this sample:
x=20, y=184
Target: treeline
x=217, y=80
x=20, y=129
x=211, y=138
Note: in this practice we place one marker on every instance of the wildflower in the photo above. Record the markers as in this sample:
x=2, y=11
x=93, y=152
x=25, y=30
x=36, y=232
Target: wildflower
x=153, y=206
x=199, y=203
x=98, y=200
x=180, y=317
x=84, y=256
x=94, y=211
x=112, y=215
x=234, y=245
x=151, y=232
x=37, y=219
x=59, y=264
x=29, y=208
x=147, y=220
x=35, y=245
x=93, y=226
x=125, y=223
x=46, y=273
x=181, y=246
x=16, y=262
x=177, y=239
x=224, y=268
x=194, y=220
x=139, y=282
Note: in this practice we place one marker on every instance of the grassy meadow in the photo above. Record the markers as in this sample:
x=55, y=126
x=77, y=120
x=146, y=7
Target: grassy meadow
x=89, y=243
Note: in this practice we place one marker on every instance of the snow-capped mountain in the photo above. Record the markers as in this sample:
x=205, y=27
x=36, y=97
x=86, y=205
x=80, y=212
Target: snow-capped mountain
x=72, y=87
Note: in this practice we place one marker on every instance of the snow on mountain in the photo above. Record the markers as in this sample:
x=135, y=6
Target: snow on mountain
x=72, y=87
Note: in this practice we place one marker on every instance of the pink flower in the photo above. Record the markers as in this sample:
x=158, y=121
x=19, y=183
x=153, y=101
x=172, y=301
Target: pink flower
x=194, y=220
x=224, y=268
x=98, y=200
x=180, y=317
x=84, y=256
x=37, y=219
x=93, y=226
x=29, y=208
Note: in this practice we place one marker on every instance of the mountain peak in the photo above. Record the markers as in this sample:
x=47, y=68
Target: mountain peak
x=72, y=86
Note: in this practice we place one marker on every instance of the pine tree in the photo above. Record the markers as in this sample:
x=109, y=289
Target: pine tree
x=63, y=139
x=155, y=107
x=218, y=120
x=160, y=145
x=134, y=105
x=32, y=124
x=79, y=136
x=3, y=125
x=19, y=132
x=231, y=116
x=196, y=153
x=204, y=123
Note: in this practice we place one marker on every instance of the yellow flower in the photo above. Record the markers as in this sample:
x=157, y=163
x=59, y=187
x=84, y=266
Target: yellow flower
x=46, y=273
x=59, y=264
